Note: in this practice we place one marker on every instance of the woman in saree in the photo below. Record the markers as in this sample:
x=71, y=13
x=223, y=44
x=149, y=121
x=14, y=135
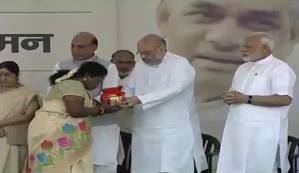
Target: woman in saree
x=18, y=105
x=59, y=139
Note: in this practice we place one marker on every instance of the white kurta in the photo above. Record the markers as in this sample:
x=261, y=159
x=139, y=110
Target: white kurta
x=252, y=134
x=199, y=156
x=162, y=137
x=125, y=117
x=107, y=148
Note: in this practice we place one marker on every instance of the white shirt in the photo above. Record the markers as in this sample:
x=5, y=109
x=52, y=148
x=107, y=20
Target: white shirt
x=253, y=133
x=162, y=137
x=268, y=76
x=107, y=147
x=112, y=79
x=157, y=87
x=124, y=117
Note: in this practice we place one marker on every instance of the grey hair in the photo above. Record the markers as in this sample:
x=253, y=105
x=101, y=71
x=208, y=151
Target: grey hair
x=266, y=39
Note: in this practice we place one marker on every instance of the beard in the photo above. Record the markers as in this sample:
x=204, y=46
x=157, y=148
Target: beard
x=253, y=57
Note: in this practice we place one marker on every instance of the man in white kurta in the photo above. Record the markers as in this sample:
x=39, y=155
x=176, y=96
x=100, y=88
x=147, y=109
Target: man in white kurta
x=119, y=73
x=256, y=130
x=162, y=86
x=107, y=149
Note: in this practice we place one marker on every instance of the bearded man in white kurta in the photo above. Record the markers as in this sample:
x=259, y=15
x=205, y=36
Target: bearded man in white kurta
x=107, y=150
x=256, y=130
x=162, y=86
x=118, y=74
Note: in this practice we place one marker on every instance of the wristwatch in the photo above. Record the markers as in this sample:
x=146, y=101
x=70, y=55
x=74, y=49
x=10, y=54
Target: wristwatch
x=249, y=101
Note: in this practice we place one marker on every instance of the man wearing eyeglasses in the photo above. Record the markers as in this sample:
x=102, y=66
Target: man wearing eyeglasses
x=119, y=72
x=162, y=88
x=124, y=61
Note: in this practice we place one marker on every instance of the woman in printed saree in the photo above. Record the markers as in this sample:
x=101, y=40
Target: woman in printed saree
x=59, y=139
x=18, y=105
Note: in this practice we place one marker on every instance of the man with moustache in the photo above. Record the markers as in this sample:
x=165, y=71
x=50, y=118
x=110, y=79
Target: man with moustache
x=256, y=129
x=119, y=74
x=124, y=61
x=162, y=95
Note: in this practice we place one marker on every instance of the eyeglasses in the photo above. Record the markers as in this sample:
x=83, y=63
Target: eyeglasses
x=146, y=53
